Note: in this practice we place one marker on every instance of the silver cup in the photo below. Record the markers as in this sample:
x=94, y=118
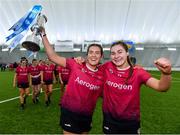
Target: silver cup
x=32, y=41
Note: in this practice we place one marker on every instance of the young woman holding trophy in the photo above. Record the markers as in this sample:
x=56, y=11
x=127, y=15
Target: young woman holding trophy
x=84, y=87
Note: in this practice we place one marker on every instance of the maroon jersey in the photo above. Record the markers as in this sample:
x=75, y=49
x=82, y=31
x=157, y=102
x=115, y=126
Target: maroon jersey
x=34, y=70
x=83, y=89
x=64, y=73
x=121, y=98
x=22, y=74
x=48, y=71
x=40, y=66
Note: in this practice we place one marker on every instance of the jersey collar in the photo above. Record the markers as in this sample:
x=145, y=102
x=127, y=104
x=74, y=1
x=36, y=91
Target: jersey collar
x=93, y=70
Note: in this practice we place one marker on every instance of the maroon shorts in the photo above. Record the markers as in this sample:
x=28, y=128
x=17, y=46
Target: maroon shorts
x=65, y=82
x=36, y=81
x=48, y=82
x=23, y=85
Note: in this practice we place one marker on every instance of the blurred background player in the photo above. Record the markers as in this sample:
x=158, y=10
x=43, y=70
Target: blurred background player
x=21, y=78
x=35, y=80
x=63, y=74
x=48, y=78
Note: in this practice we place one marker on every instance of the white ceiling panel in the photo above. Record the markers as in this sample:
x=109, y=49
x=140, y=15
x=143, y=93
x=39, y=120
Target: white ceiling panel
x=106, y=20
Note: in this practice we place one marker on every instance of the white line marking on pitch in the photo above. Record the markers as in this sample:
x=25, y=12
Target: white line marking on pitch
x=7, y=100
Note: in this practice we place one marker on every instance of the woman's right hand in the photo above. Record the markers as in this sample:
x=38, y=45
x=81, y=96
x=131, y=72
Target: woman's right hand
x=42, y=30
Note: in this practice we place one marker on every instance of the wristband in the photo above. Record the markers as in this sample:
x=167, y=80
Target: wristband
x=43, y=35
x=164, y=73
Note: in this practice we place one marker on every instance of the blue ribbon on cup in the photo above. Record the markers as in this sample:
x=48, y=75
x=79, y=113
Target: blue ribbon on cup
x=18, y=24
x=23, y=25
x=15, y=42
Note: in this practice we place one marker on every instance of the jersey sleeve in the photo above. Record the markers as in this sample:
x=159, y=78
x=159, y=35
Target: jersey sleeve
x=58, y=69
x=144, y=75
x=17, y=70
x=70, y=63
x=53, y=67
x=42, y=68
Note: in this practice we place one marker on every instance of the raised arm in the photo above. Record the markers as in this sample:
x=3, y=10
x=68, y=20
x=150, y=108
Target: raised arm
x=164, y=83
x=52, y=55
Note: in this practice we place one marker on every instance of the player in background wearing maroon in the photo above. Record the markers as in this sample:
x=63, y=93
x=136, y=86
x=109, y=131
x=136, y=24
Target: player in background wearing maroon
x=35, y=80
x=21, y=79
x=121, y=95
x=63, y=74
x=48, y=78
x=85, y=85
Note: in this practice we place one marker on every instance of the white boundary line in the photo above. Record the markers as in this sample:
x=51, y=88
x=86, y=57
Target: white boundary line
x=3, y=101
x=7, y=100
